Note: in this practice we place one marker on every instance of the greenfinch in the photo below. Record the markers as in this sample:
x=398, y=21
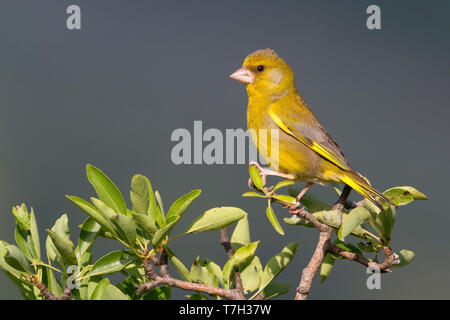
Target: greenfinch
x=306, y=152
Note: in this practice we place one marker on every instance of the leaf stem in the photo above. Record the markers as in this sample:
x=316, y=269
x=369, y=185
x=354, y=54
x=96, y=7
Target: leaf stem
x=40, y=263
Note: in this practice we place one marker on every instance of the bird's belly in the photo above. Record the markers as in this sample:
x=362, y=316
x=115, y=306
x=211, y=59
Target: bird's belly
x=285, y=154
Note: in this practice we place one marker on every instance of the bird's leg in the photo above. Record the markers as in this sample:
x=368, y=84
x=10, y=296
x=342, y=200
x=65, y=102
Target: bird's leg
x=339, y=205
x=301, y=194
x=295, y=209
x=264, y=172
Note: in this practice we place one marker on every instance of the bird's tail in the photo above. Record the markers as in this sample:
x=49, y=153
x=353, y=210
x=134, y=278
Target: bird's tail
x=363, y=187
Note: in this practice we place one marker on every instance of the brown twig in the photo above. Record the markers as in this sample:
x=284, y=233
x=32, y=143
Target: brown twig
x=165, y=279
x=310, y=271
x=324, y=246
x=389, y=259
x=46, y=293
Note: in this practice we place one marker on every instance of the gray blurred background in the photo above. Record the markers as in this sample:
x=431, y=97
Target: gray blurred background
x=112, y=93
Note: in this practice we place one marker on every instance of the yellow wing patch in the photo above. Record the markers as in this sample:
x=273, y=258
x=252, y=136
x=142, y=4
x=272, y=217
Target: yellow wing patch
x=316, y=147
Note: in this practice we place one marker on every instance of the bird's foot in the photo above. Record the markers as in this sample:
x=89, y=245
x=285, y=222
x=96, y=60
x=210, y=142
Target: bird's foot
x=296, y=209
x=264, y=172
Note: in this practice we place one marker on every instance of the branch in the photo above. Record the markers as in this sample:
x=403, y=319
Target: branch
x=310, y=271
x=230, y=252
x=166, y=279
x=46, y=293
x=324, y=246
x=389, y=259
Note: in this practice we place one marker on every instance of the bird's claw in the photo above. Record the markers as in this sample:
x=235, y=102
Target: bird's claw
x=295, y=209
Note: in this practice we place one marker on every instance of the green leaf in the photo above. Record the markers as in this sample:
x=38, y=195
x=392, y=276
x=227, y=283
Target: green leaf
x=239, y=256
x=181, y=205
x=398, y=196
x=256, y=178
x=216, y=218
x=401, y=196
x=50, y=281
x=27, y=290
x=416, y=193
x=241, y=234
x=275, y=289
x=147, y=224
x=405, y=256
x=201, y=274
x=179, y=266
x=142, y=236
x=276, y=265
x=21, y=215
x=64, y=247
x=331, y=218
x=52, y=253
x=273, y=219
x=352, y=220
x=385, y=220
x=19, y=278
x=347, y=247
x=311, y=203
x=163, y=232
x=89, y=232
x=327, y=265
x=296, y=220
x=25, y=243
x=61, y=227
x=113, y=262
x=123, y=225
x=93, y=212
x=86, y=258
x=88, y=286
x=251, y=275
x=285, y=199
x=114, y=293
x=196, y=296
x=159, y=209
x=16, y=259
x=35, y=235
x=99, y=291
x=336, y=189
x=283, y=184
x=106, y=190
x=159, y=293
x=126, y=226
x=367, y=247
x=214, y=269
x=142, y=197
x=253, y=194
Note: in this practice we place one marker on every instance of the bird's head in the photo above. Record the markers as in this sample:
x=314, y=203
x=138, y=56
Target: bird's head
x=265, y=73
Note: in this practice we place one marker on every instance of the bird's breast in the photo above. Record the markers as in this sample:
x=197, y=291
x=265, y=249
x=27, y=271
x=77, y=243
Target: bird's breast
x=282, y=152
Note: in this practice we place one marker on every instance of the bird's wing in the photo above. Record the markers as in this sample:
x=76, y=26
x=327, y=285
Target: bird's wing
x=301, y=124
x=311, y=134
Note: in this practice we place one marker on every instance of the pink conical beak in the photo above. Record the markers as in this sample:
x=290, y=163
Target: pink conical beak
x=243, y=75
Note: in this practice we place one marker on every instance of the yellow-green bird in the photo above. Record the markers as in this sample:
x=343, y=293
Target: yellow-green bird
x=306, y=152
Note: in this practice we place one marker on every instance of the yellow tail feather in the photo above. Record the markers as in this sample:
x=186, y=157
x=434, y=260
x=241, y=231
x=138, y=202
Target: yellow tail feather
x=356, y=182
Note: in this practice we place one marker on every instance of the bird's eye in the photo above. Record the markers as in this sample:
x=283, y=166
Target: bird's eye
x=260, y=68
